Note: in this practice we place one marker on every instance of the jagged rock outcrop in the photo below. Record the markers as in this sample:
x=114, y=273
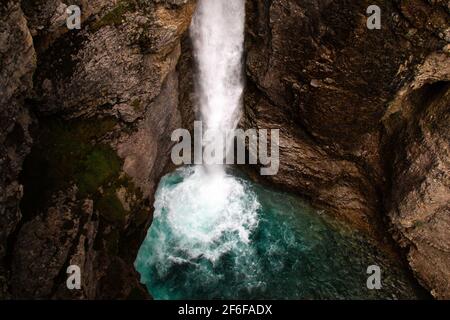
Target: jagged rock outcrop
x=105, y=101
x=417, y=150
x=363, y=116
x=17, y=63
x=316, y=72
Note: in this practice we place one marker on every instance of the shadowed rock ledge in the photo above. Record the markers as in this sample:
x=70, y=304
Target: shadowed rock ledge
x=101, y=103
x=332, y=86
x=86, y=118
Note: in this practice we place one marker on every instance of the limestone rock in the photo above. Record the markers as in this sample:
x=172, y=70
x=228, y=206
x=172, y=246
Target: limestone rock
x=17, y=64
x=418, y=160
x=319, y=75
x=104, y=104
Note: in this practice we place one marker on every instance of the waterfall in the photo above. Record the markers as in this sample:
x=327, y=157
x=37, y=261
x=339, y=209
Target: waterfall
x=217, y=33
x=208, y=213
x=218, y=235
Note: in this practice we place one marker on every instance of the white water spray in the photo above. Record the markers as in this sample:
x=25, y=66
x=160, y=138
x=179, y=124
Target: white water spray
x=209, y=212
x=217, y=33
x=203, y=243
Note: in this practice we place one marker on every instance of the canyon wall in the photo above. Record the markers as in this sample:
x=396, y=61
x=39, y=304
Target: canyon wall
x=355, y=136
x=100, y=104
x=417, y=158
x=86, y=118
x=17, y=63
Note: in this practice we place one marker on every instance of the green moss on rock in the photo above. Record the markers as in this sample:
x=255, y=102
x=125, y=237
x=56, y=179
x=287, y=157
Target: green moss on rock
x=136, y=104
x=99, y=166
x=67, y=153
x=115, y=16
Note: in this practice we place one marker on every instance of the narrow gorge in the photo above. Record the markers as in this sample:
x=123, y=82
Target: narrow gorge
x=364, y=159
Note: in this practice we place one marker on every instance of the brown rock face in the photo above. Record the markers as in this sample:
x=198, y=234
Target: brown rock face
x=418, y=161
x=316, y=72
x=17, y=63
x=363, y=118
x=105, y=101
x=64, y=232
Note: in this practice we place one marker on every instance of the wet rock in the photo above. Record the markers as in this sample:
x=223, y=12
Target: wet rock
x=417, y=152
x=106, y=101
x=319, y=75
x=17, y=64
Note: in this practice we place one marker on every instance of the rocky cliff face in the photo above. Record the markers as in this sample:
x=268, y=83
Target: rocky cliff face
x=17, y=63
x=320, y=75
x=86, y=117
x=417, y=153
x=101, y=106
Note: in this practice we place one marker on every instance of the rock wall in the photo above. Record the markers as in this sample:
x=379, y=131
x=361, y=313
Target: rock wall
x=316, y=72
x=417, y=160
x=103, y=104
x=17, y=63
x=86, y=117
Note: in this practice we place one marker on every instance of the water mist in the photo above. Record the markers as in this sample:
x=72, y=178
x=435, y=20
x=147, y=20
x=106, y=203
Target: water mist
x=217, y=34
x=216, y=234
x=209, y=213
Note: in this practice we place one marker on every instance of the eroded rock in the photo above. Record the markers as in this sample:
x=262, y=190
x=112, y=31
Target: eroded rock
x=418, y=160
x=317, y=73
x=17, y=64
x=106, y=101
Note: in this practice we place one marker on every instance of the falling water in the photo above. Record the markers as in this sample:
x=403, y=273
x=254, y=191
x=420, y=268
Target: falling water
x=217, y=33
x=208, y=213
x=216, y=234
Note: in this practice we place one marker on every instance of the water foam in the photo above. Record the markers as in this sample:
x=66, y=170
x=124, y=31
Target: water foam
x=217, y=33
x=210, y=212
x=257, y=244
x=200, y=217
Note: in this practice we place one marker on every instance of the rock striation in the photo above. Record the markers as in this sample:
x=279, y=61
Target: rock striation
x=339, y=92
x=100, y=103
x=86, y=118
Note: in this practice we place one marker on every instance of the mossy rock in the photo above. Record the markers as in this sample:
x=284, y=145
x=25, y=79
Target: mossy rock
x=67, y=153
x=99, y=166
x=115, y=16
x=136, y=104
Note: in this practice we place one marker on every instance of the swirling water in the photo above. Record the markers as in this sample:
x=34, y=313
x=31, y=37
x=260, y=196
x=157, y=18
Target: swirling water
x=226, y=237
x=216, y=234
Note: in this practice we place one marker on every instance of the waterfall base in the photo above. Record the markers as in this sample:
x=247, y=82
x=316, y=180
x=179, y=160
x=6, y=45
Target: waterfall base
x=224, y=237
